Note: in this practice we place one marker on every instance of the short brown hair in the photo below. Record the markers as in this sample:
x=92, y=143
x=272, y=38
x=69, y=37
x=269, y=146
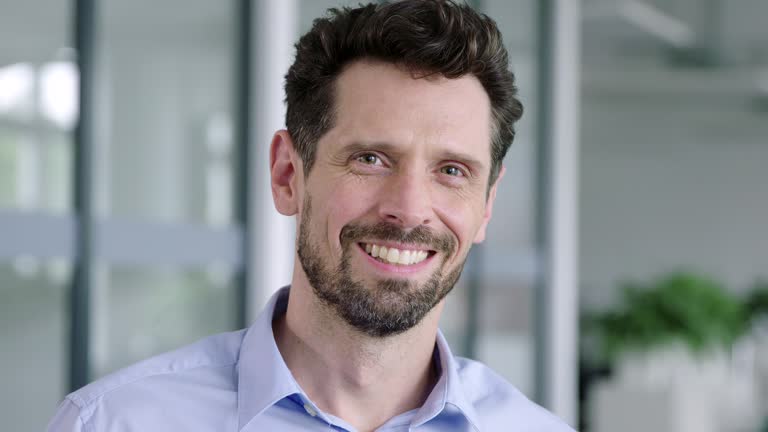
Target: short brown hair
x=426, y=36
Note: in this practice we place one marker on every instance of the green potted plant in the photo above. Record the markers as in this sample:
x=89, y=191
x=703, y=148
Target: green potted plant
x=674, y=335
x=679, y=307
x=756, y=303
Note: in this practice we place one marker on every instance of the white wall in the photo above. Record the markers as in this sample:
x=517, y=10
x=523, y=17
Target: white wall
x=673, y=176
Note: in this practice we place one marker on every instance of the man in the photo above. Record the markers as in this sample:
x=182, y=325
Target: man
x=398, y=118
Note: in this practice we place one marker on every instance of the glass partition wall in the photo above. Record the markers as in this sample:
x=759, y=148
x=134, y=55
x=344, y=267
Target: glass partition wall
x=38, y=108
x=119, y=205
x=164, y=168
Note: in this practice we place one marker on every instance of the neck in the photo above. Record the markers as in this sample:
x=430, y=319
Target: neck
x=361, y=379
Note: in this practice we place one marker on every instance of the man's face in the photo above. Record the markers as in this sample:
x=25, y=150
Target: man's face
x=403, y=176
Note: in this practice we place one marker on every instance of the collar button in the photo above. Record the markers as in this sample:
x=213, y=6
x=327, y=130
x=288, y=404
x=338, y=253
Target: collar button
x=311, y=411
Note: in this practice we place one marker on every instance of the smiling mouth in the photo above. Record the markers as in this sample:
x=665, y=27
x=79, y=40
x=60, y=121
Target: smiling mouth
x=395, y=256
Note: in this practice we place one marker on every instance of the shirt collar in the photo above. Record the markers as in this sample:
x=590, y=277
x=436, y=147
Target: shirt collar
x=449, y=390
x=264, y=378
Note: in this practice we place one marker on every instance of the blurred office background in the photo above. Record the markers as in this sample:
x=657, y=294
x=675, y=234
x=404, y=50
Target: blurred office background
x=134, y=215
x=673, y=212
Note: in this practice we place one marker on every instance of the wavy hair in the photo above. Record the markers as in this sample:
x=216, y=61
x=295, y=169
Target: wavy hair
x=426, y=36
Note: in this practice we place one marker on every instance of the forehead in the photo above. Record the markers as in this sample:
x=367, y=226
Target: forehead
x=377, y=101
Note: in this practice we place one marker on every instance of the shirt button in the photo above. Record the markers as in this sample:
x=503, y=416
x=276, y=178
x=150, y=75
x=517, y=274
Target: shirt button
x=311, y=411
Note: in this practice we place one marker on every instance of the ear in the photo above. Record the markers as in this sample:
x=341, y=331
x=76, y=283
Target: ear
x=285, y=170
x=480, y=236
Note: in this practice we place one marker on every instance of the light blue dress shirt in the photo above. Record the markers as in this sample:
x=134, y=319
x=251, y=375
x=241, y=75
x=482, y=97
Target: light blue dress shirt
x=238, y=381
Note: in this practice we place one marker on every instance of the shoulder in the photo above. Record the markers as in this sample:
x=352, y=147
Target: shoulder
x=199, y=370
x=498, y=402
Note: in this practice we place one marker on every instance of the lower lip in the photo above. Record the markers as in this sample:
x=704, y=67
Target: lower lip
x=395, y=268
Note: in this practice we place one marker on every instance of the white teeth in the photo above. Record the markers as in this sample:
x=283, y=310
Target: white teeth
x=393, y=255
x=396, y=256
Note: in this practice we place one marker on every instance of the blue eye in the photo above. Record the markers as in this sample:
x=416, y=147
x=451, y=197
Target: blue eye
x=451, y=171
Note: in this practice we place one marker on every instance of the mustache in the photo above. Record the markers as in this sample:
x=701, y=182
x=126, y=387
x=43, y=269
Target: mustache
x=421, y=235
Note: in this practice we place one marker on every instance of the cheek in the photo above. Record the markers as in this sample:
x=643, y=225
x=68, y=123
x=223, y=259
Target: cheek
x=463, y=217
x=345, y=204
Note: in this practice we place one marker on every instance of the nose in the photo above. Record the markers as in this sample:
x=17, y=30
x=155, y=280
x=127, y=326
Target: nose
x=405, y=200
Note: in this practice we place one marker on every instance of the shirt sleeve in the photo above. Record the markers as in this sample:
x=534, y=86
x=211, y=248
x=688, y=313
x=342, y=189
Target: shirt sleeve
x=67, y=418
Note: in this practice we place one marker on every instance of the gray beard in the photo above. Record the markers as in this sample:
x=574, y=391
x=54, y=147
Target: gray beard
x=393, y=305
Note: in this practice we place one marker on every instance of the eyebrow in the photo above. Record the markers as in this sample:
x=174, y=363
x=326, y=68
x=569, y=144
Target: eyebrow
x=395, y=150
x=463, y=158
